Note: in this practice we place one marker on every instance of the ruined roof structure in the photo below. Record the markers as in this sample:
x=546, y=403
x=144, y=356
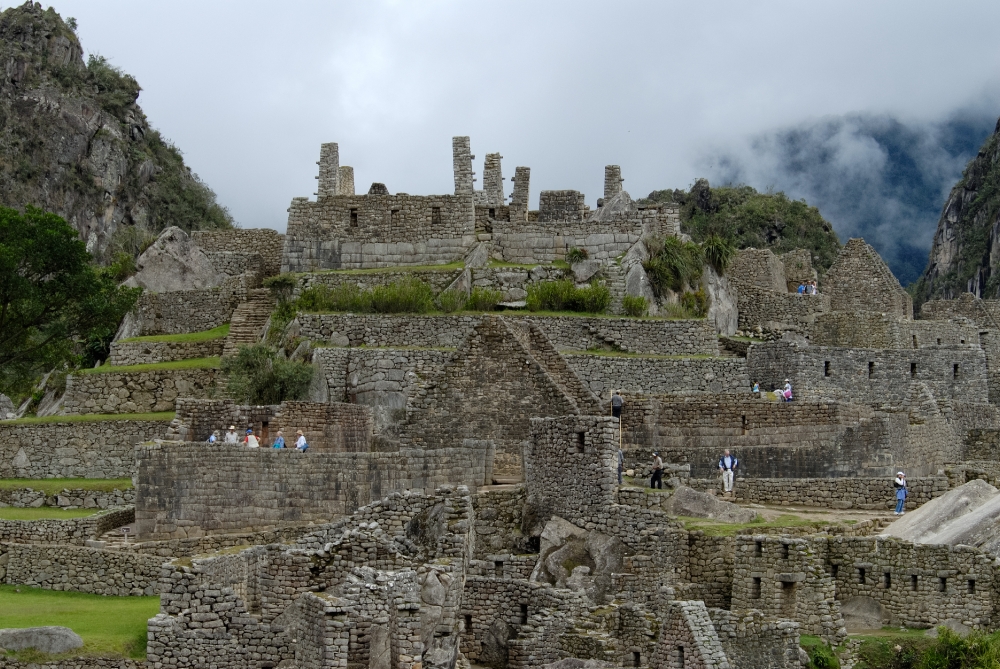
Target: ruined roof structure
x=460, y=502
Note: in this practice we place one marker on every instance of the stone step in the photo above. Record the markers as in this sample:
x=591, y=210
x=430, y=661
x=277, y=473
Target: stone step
x=248, y=321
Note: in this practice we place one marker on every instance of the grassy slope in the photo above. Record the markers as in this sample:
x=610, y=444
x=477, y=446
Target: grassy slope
x=205, y=335
x=91, y=417
x=108, y=625
x=43, y=513
x=193, y=363
x=56, y=486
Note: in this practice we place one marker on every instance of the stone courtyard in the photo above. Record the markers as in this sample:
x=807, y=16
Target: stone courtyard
x=460, y=502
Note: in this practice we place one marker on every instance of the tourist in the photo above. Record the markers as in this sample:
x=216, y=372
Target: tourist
x=813, y=288
x=901, y=492
x=802, y=289
x=212, y=438
x=786, y=393
x=621, y=464
x=727, y=465
x=251, y=439
x=756, y=388
x=231, y=436
x=279, y=441
x=616, y=405
x=656, y=480
x=300, y=442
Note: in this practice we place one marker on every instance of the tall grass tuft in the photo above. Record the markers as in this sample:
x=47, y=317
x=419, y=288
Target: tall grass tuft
x=565, y=296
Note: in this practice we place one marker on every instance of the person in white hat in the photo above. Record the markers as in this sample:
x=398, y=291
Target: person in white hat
x=901, y=492
x=231, y=436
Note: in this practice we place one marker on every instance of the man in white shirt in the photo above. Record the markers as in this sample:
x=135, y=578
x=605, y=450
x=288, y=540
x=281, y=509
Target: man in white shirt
x=231, y=436
x=727, y=463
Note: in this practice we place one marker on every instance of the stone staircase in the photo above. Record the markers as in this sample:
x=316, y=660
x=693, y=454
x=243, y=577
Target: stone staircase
x=542, y=350
x=615, y=277
x=249, y=319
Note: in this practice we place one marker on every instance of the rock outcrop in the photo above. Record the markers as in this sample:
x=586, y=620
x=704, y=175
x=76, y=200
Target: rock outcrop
x=174, y=262
x=44, y=639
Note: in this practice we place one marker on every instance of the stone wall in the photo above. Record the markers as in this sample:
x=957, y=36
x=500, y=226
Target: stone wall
x=76, y=498
x=75, y=663
x=266, y=242
x=759, y=307
x=567, y=333
x=859, y=280
x=752, y=641
x=877, y=494
x=758, y=268
x=328, y=427
x=116, y=573
x=876, y=330
x=186, y=311
x=437, y=279
x=148, y=352
x=138, y=392
x=879, y=377
x=93, y=449
x=234, y=263
x=187, y=490
x=362, y=231
x=798, y=268
x=64, y=531
x=656, y=375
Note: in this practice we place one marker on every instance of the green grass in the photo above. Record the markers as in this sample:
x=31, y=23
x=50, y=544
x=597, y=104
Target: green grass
x=558, y=264
x=625, y=354
x=193, y=363
x=108, y=625
x=55, y=486
x=90, y=418
x=43, y=513
x=716, y=529
x=205, y=335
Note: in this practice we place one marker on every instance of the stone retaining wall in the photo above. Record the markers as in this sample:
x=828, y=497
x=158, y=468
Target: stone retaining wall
x=66, y=499
x=93, y=449
x=117, y=573
x=266, y=242
x=64, y=531
x=75, y=663
x=186, y=311
x=138, y=392
x=760, y=307
x=437, y=279
x=149, y=352
x=877, y=494
x=652, y=376
x=567, y=333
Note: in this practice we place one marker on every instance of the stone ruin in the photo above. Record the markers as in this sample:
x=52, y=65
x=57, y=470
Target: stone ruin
x=460, y=504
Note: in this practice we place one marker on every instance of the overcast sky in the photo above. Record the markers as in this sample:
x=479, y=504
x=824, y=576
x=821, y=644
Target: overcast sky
x=248, y=90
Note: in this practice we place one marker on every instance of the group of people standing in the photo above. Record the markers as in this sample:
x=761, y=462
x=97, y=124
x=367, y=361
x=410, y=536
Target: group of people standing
x=808, y=288
x=251, y=440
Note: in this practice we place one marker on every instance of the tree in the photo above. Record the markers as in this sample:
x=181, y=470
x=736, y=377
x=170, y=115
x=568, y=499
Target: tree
x=258, y=376
x=56, y=306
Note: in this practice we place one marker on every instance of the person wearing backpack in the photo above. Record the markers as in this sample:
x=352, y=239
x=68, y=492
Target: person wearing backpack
x=301, y=444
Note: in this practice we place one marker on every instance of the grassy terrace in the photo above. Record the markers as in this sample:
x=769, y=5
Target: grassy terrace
x=56, y=486
x=108, y=625
x=91, y=417
x=205, y=335
x=193, y=363
x=43, y=513
x=450, y=267
x=517, y=313
x=623, y=354
x=716, y=529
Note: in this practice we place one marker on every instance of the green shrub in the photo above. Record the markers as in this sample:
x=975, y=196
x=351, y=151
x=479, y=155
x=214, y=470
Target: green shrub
x=672, y=264
x=719, y=252
x=282, y=285
x=483, y=299
x=822, y=657
x=565, y=296
x=695, y=302
x=408, y=296
x=635, y=305
x=256, y=375
x=450, y=301
x=951, y=651
x=576, y=255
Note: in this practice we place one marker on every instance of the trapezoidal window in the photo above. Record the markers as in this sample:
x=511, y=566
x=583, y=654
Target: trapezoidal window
x=826, y=368
x=861, y=575
x=394, y=217
x=871, y=369
x=972, y=586
x=913, y=370
x=914, y=582
x=755, y=588
x=493, y=213
x=954, y=371
x=914, y=341
x=436, y=215
x=354, y=218
x=887, y=580
x=943, y=584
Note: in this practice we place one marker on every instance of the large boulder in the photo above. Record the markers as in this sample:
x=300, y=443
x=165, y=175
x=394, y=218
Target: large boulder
x=585, y=270
x=689, y=502
x=969, y=514
x=174, y=262
x=44, y=639
x=7, y=408
x=862, y=613
x=573, y=557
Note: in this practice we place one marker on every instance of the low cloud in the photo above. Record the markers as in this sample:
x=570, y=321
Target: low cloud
x=873, y=176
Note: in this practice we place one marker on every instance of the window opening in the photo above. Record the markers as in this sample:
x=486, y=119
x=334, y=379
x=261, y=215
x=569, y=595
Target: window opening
x=826, y=368
x=755, y=590
x=871, y=369
x=354, y=218
x=436, y=215
x=913, y=369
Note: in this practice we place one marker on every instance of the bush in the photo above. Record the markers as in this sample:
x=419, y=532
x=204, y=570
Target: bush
x=483, y=299
x=409, y=296
x=822, y=657
x=635, y=305
x=576, y=255
x=282, y=285
x=258, y=376
x=695, y=302
x=450, y=301
x=719, y=252
x=565, y=296
x=672, y=264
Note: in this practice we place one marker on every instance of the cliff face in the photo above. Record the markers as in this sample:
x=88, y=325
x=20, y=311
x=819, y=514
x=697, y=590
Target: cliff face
x=966, y=249
x=73, y=141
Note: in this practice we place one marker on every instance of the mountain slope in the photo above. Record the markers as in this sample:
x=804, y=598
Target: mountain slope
x=752, y=219
x=73, y=142
x=966, y=247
